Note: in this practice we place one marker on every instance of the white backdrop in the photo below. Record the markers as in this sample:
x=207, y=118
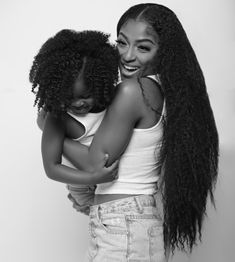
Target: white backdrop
x=37, y=222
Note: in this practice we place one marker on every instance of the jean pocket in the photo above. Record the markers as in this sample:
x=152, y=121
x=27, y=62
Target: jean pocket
x=145, y=236
x=113, y=223
x=156, y=243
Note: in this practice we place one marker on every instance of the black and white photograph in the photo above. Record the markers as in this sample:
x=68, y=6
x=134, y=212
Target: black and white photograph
x=117, y=131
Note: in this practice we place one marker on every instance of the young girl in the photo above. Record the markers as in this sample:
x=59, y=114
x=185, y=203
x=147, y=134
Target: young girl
x=74, y=77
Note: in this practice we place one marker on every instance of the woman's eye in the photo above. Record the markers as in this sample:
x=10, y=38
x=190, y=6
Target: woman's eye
x=120, y=42
x=144, y=48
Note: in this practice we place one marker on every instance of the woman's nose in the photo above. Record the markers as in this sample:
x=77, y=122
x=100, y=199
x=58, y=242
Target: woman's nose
x=129, y=55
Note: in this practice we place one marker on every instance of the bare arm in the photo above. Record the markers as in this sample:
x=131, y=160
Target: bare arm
x=41, y=118
x=77, y=154
x=74, y=151
x=115, y=130
x=52, y=145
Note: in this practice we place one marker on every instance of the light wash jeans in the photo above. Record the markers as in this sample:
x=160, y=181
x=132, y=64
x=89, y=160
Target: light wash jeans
x=129, y=229
x=82, y=197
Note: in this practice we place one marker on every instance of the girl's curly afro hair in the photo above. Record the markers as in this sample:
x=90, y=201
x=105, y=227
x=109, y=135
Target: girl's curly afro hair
x=59, y=62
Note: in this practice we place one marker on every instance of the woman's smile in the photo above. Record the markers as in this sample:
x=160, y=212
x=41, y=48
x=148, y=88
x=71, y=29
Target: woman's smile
x=137, y=44
x=127, y=70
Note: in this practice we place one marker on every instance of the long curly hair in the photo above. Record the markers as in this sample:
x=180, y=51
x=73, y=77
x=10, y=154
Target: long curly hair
x=59, y=62
x=189, y=154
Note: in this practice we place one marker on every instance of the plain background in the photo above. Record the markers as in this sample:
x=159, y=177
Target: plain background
x=37, y=222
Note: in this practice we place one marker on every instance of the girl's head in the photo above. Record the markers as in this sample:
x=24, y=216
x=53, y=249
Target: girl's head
x=149, y=37
x=76, y=71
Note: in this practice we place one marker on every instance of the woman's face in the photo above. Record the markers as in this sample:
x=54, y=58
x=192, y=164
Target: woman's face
x=137, y=44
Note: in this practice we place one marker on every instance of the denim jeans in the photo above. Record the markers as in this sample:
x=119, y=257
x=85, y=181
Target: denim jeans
x=128, y=229
x=82, y=197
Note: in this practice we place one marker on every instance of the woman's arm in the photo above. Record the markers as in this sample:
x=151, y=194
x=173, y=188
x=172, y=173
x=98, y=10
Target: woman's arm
x=77, y=154
x=116, y=129
x=52, y=145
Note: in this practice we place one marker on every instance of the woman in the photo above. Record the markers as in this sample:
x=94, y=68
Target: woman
x=162, y=128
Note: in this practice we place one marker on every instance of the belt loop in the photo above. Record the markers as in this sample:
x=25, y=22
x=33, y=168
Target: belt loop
x=139, y=206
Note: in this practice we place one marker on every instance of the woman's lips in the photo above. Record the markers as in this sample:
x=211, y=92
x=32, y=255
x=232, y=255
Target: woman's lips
x=128, y=71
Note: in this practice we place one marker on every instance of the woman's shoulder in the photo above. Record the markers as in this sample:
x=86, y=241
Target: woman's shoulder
x=143, y=94
x=133, y=86
x=136, y=87
x=128, y=85
x=137, y=82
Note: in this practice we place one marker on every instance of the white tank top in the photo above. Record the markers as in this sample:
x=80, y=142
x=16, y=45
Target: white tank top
x=91, y=122
x=137, y=173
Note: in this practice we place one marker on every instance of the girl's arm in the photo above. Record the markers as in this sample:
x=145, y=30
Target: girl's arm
x=52, y=145
x=116, y=129
x=41, y=118
x=72, y=149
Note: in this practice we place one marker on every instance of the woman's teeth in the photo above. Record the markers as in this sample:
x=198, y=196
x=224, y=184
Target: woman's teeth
x=130, y=68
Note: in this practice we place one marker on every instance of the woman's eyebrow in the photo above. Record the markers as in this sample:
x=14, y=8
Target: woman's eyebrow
x=146, y=40
x=123, y=35
x=139, y=40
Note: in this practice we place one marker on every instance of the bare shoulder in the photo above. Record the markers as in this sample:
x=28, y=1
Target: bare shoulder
x=128, y=86
x=135, y=89
x=151, y=85
x=152, y=92
x=129, y=90
x=126, y=101
x=135, y=85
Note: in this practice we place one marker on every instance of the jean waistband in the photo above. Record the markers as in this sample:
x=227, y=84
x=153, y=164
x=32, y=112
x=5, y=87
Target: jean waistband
x=124, y=204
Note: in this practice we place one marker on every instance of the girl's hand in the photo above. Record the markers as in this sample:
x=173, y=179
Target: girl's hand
x=106, y=174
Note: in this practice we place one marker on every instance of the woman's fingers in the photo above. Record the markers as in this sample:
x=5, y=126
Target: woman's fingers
x=106, y=158
x=114, y=165
x=114, y=169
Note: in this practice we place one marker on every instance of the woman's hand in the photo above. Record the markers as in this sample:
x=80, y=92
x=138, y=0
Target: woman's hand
x=105, y=174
